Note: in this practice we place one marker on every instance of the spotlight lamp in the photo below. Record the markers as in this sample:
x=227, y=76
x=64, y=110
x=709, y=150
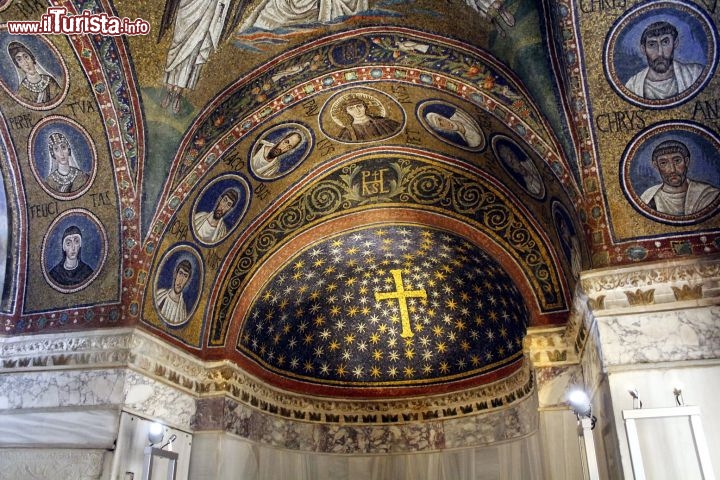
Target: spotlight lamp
x=156, y=432
x=678, y=397
x=581, y=406
x=637, y=403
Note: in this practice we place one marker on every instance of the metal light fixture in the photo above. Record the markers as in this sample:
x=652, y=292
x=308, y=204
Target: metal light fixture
x=635, y=394
x=581, y=406
x=677, y=391
x=156, y=432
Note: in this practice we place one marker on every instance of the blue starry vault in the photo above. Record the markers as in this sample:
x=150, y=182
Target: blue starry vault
x=386, y=306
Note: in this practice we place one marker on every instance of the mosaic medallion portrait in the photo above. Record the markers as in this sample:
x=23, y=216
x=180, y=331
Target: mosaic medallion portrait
x=62, y=157
x=660, y=54
x=670, y=172
x=33, y=73
x=74, y=250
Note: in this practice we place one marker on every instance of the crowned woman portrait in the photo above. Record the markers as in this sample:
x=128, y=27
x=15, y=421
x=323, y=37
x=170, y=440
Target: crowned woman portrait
x=65, y=175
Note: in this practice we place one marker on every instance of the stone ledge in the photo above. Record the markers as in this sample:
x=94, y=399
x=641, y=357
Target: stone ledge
x=151, y=357
x=660, y=285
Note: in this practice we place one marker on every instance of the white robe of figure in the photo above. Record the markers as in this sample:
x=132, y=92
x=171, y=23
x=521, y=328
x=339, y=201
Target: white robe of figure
x=698, y=196
x=261, y=165
x=206, y=232
x=198, y=26
x=684, y=75
x=274, y=14
x=171, y=311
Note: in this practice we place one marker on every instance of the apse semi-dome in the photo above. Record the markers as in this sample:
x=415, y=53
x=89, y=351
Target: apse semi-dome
x=387, y=306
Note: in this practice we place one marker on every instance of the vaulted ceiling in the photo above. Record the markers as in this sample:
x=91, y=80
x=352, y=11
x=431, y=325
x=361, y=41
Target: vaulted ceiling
x=346, y=198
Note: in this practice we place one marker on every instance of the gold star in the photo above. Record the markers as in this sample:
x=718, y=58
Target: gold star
x=329, y=270
x=475, y=360
x=349, y=338
x=444, y=367
x=437, y=330
x=315, y=295
x=460, y=325
x=341, y=370
x=375, y=371
x=352, y=311
x=331, y=287
x=298, y=265
x=334, y=345
x=375, y=338
x=308, y=338
x=377, y=355
x=409, y=353
x=409, y=372
x=319, y=262
x=465, y=345
x=335, y=311
x=441, y=347
x=319, y=320
x=451, y=304
x=427, y=369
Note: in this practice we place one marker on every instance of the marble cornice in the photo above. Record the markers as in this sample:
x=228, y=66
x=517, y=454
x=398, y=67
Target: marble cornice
x=150, y=356
x=664, y=285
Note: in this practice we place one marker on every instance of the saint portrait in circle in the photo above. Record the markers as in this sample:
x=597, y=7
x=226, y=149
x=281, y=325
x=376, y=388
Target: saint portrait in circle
x=451, y=124
x=518, y=164
x=279, y=150
x=33, y=72
x=661, y=54
x=73, y=251
x=671, y=172
x=62, y=157
x=178, y=282
x=361, y=115
x=219, y=208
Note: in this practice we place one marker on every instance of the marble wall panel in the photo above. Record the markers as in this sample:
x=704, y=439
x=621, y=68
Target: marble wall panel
x=691, y=334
